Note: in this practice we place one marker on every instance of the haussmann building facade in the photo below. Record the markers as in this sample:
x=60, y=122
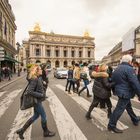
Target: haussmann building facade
x=7, y=36
x=56, y=50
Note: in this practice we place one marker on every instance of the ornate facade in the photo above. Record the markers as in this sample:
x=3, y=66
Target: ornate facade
x=58, y=50
x=114, y=56
x=7, y=35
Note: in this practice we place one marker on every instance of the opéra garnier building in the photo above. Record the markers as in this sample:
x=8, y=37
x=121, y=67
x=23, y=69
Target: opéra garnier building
x=58, y=50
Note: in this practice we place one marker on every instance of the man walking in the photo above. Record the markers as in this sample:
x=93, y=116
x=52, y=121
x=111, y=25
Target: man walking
x=126, y=86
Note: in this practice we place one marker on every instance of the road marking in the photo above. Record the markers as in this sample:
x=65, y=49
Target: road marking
x=19, y=121
x=97, y=113
x=1, y=93
x=67, y=128
x=6, y=102
x=135, y=99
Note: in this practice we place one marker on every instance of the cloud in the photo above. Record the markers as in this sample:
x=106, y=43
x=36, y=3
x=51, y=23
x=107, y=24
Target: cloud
x=106, y=20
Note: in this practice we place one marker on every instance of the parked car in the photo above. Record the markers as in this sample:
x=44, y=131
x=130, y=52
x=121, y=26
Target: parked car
x=61, y=73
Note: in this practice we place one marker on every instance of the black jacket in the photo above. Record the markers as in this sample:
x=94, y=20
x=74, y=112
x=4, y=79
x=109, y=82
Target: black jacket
x=36, y=89
x=102, y=88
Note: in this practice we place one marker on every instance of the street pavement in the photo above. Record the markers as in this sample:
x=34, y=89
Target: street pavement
x=65, y=115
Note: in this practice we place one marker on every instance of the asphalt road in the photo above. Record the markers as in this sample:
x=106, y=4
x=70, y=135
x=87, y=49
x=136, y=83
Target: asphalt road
x=65, y=115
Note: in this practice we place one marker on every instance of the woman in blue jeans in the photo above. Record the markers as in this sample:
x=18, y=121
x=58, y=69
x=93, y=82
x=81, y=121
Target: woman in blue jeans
x=36, y=90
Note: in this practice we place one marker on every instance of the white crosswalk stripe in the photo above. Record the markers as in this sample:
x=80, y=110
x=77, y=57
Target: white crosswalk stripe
x=1, y=93
x=19, y=121
x=68, y=130
x=6, y=102
x=97, y=113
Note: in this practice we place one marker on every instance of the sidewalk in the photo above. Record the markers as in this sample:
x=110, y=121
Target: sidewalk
x=14, y=78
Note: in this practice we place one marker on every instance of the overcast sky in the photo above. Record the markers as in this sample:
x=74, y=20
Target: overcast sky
x=106, y=20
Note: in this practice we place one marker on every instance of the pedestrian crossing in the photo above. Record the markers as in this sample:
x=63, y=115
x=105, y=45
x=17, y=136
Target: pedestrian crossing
x=8, y=100
x=66, y=125
x=98, y=114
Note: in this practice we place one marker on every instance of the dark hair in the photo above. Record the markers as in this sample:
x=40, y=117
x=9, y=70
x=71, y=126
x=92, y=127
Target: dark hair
x=85, y=64
x=76, y=64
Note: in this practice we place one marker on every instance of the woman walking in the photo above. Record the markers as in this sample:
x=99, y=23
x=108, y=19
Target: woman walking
x=101, y=90
x=35, y=89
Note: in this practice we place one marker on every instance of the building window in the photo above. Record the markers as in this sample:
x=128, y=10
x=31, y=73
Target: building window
x=57, y=53
x=5, y=28
x=65, y=53
x=48, y=53
x=72, y=53
x=80, y=53
x=88, y=53
x=38, y=52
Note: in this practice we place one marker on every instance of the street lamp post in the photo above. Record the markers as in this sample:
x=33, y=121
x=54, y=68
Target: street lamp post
x=18, y=45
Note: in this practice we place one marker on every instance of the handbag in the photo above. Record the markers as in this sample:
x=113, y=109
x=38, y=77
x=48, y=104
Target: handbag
x=26, y=100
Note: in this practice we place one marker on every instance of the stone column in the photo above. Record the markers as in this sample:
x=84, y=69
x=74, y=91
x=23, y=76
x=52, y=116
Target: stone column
x=77, y=53
x=31, y=50
x=69, y=52
x=84, y=50
x=44, y=50
x=62, y=52
x=52, y=51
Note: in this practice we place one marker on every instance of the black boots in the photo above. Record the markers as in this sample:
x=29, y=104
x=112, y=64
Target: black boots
x=46, y=131
x=21, y=131
x=88, y=116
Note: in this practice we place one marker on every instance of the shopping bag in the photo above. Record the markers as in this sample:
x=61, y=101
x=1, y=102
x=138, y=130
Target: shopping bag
x=90, y=86
x=26, y=100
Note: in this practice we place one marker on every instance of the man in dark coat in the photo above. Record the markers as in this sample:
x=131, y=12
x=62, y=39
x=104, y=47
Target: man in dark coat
x=126, y=86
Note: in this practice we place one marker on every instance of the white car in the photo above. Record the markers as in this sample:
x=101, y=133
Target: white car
x=61, y=73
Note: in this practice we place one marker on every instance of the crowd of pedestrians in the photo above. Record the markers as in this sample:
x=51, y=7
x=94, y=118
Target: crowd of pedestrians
x=122, y=82
x=5, y=73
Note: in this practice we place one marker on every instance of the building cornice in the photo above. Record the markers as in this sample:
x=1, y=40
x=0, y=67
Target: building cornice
x=60, y=35
x=9, y=13
x=7, y=46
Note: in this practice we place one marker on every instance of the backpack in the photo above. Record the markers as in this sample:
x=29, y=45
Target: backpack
x=83, y=75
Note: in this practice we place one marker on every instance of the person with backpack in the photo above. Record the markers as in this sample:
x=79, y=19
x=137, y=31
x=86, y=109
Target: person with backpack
x=84, y=75
x=76, y=77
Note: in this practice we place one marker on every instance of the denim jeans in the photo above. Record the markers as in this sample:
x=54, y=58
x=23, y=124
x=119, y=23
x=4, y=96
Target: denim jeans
x=86, y=82
x=39, y=111
x=120, y=107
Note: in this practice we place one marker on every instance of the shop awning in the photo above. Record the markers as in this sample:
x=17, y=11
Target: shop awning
x=8, y=58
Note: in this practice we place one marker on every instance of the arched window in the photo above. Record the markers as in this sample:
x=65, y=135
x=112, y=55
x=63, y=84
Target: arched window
x=56, y=63
x=65, y=63
x=38, y=61
x=73, y=62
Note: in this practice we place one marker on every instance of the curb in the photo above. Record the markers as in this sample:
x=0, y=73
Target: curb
x=12, y=81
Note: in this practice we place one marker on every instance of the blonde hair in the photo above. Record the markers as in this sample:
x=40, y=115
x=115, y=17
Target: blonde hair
x=102, y=68
x=33, y=71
